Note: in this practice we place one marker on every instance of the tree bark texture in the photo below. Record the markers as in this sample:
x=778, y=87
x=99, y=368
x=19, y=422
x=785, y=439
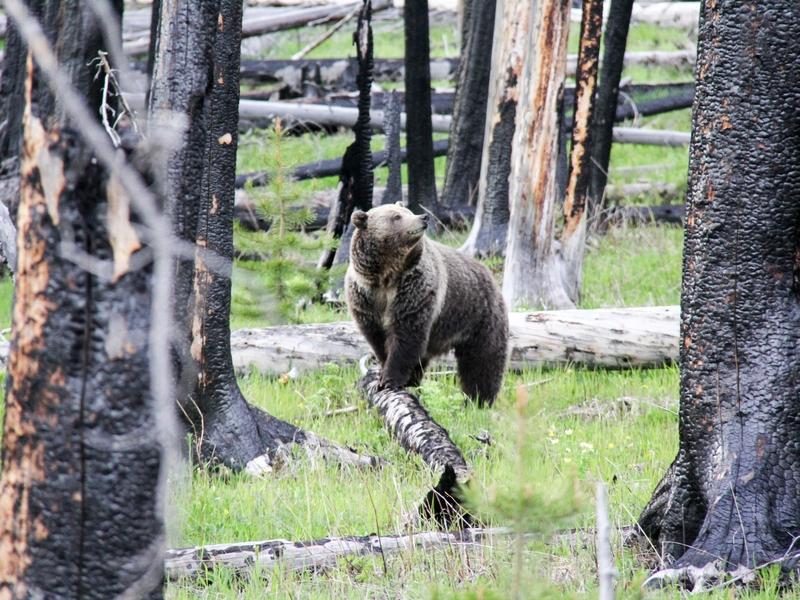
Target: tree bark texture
x=533, y=273
x=463, y=166
x=615, y=39
x=196, y=74
x=729, y=501
x=79, y=513
x=394, y=153
x=511, y=28
x=419, y=131
x=356, y=177
x=573, y=235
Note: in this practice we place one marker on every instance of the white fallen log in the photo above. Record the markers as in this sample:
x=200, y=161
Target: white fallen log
x=604, y=337
x=684, y=15
x=613, y=338
x=651, y=137
x=316, y=555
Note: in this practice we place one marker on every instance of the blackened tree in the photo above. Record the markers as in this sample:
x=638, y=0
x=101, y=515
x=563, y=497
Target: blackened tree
x=729, y=500
x=80, y=458
x=196, y=74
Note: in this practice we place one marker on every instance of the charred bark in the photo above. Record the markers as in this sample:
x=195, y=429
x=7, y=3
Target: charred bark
x=197, y=74
x=419, y=131
x=356, y=178
x=533, y=271
x=80, y=460
x=615, y=40
x=729, y=501
x=12, y=101
x=469, y=110
x=488, y=234
x=394, y=158
x=573, y=235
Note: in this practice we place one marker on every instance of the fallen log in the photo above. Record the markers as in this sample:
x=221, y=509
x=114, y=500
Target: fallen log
x=457, y=218
x=340, y=73
x=652, y=137
x=671, y=214
x=264, y=556
x=415, y=430
x=329, y=167
x=256, y=21
x=598, y=338
x=612, y=338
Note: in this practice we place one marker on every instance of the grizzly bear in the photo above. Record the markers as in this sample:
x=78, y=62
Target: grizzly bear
x=414, y=299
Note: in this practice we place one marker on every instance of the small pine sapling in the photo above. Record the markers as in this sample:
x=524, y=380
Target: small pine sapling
x=286, y=252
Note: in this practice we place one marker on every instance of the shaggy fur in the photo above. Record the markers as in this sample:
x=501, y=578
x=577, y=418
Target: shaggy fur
x=414, y=299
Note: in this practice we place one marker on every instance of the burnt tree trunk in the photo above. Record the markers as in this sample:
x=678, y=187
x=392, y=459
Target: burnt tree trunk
x=729, y=501
x=196, y=73
x=12, y=100
x=356, y=178
x=463, y=167
x=615, y=39
x=488, y=234
x=573, y=235
x=419, y=130
x=394, y=158
x=79, y=514
x=533, y=270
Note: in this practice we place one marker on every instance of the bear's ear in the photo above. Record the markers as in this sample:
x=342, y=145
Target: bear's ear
x=402, y=203
x=359, y=219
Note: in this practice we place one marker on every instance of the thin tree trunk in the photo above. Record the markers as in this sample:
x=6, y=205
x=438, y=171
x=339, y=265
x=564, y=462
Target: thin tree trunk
x=12, y=101
x=615, y=39
x=419, y=131
x=394, y=153
x=573, y=235
x=79, y=513
x=356, y=178
x=197, y=74
x=729, y=501
x=533, y=273
x=469, y=111
x=511, y=29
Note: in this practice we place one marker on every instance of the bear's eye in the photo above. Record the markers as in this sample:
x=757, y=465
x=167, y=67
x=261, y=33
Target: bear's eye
x=396, y=218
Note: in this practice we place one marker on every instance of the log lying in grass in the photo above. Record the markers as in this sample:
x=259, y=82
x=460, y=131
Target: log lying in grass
x=671, y=214
x=604, y=337
x=415, y=430
x=612, y=338
x=330, y=167
x=317, y=555
x=256, y=21
x=341, y=72
x=456, y=218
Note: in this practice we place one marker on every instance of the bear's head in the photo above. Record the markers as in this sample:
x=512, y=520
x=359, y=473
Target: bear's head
x=386, y=239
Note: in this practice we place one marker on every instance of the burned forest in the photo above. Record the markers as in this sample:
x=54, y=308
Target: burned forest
x=399, y=298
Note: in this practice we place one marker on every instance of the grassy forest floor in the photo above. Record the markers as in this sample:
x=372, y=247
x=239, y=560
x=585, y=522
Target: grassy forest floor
x=554, y=432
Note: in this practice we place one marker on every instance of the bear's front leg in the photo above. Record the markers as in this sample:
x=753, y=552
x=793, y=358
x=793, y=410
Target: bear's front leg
x=406, y=347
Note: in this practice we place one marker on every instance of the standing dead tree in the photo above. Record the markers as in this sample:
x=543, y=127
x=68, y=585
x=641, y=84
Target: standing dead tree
x=729, y=502
x=196, y=75
x=533, y=272
x=573, y=235
x=81, y=458
x=615, y=39
x=488, y=234
x=469, y=111
x=419, y=131
x=356, y=177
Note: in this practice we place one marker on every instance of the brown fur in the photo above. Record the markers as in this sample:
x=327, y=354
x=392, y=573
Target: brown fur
x=413, y=299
